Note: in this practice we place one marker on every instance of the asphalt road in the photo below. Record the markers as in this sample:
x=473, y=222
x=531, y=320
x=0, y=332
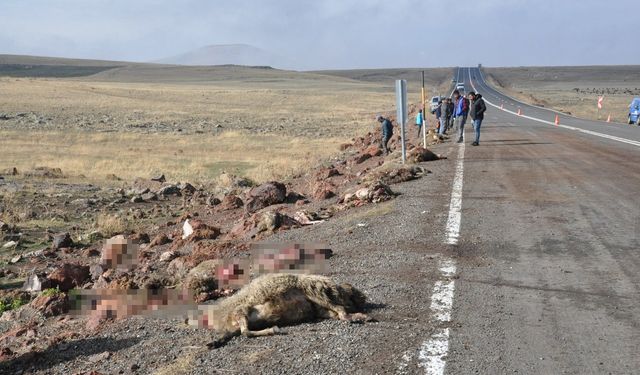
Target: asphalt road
x=549, y=252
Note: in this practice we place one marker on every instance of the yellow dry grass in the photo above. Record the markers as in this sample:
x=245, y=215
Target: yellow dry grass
x=255, y=123
x=556, y=88
x=195, y=158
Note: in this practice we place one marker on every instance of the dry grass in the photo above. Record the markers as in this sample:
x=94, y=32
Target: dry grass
x=111, y=225
x=195, y=158
x=556, y=88
x=262, y=124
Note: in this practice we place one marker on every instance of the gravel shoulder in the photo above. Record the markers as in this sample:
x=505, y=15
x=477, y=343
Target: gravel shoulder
x=388, y=250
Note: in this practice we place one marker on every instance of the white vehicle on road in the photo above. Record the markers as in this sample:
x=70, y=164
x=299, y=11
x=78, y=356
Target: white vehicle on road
x=434, y=103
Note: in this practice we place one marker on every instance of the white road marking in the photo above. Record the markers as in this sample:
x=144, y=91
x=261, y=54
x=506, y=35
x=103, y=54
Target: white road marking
x=455, y=207
x=597, y=134
x=433, y=352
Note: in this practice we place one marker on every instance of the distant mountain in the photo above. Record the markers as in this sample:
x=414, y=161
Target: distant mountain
x=229, y=54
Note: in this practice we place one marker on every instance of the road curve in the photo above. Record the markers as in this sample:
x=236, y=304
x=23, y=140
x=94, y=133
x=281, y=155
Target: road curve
x=549, y=251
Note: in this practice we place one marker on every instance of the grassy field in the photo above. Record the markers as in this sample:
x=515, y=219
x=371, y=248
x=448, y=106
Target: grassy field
x=188, y=157
x=191, y=123
x=573, y=90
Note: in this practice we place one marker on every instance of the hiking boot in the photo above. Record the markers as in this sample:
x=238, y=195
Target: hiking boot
x=460, y=140
x=475, y=144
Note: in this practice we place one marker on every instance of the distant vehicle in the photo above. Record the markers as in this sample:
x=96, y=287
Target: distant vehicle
x=634, y=111
x=434, y=103
x=460, y=86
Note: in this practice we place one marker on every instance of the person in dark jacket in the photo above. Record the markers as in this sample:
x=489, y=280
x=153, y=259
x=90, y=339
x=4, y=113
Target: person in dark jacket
x=438, y=113
x=450, y=117
x=387, y=132
x=444, y=116
x=477, y=108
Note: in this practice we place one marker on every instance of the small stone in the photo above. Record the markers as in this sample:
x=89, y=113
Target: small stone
x=62, y=240
x=168, y=256
x=10, y=244
x=99, y=357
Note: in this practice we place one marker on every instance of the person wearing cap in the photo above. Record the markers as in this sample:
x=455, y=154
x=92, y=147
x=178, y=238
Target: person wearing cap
x=387, y=132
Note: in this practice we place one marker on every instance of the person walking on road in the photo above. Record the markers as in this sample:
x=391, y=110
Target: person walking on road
x=419, y=121
x=387, y=132
x=476, y=111
x=461, y=109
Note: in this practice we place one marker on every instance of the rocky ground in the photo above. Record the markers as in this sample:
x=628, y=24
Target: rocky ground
x=54, y=235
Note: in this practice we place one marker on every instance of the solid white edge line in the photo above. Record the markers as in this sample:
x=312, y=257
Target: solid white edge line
x=602, y=135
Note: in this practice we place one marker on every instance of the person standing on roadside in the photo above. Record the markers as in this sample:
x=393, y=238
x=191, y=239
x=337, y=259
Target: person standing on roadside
x=476, y=111
x=419, y=121
x=445, y=114
x=461, y=109
x=451, y=109
x=438, y=113
x=387, y=132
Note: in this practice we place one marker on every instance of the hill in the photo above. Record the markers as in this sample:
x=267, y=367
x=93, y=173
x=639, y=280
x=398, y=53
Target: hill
x=228, y=54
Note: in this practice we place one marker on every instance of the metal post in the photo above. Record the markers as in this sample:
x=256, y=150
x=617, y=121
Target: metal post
x=401, y=100
x=424, y=114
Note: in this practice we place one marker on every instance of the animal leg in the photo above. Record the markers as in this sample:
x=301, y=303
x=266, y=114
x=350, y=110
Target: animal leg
x=243, y=322
x=339, y=312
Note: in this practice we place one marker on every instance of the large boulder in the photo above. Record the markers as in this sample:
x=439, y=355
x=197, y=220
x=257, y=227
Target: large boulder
x=69, y=276
x=265, y=195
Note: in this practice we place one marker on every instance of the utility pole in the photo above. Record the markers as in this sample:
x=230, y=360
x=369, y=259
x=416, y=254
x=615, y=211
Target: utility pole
x=424, y=114
x=401, y=100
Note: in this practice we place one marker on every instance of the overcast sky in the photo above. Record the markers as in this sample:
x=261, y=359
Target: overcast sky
x=331, y=33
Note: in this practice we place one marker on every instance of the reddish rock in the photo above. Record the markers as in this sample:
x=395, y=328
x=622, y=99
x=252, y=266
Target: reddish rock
x=208, y=233
x=265, y=195
x=230, y=202
x=140, y=238
x=359, y=159
x=345, y=146
x=373, y=151
x=54, y=305
x=323, y=190
x=325, y=173
x=159, y=240
x=69, y=276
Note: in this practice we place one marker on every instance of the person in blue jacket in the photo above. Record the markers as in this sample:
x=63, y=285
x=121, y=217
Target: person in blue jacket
x=419, y=121
x=387, y=132
x=460, y=112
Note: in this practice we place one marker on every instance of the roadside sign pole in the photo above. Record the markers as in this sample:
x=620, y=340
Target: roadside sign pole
x=424, y=115
x=401, y=101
